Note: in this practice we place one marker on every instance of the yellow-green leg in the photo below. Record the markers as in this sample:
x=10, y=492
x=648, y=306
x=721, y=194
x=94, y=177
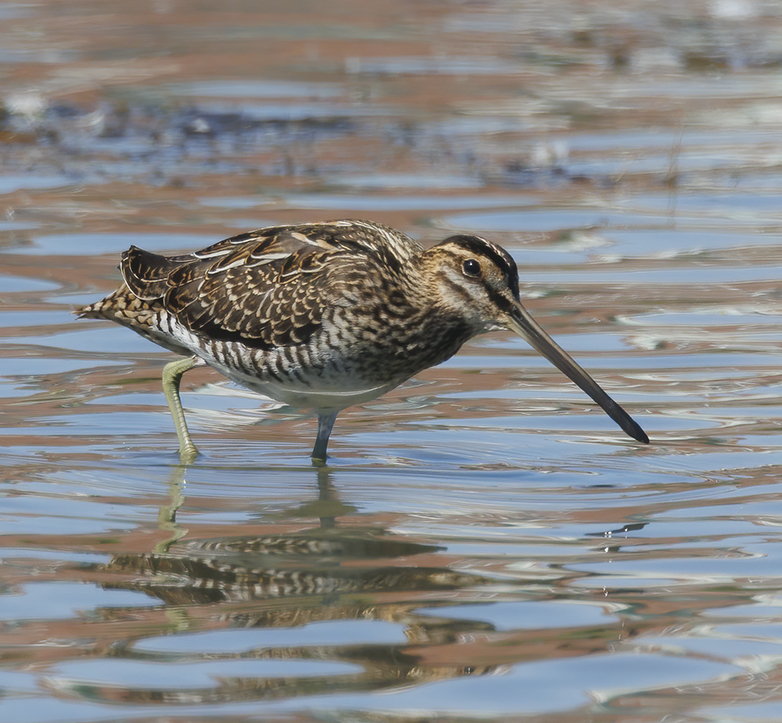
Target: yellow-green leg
x=172, y=375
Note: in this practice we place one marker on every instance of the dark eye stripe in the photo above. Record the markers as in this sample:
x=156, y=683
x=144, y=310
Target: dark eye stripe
x=496, y=254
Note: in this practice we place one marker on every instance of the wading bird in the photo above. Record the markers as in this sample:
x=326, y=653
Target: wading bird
x=326, y=315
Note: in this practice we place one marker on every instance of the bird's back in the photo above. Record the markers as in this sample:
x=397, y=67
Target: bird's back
x=264, y=288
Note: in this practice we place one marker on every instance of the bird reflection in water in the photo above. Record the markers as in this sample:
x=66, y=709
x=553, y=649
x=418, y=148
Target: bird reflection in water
x=328, y=572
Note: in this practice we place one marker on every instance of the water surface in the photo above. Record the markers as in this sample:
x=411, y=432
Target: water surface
x=484, y=544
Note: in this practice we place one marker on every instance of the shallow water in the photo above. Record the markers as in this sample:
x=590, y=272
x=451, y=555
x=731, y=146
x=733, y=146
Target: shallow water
x=484, y=543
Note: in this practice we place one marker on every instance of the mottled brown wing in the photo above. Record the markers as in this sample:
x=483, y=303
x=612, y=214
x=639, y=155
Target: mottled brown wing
x=264, y=289
x=145, y=273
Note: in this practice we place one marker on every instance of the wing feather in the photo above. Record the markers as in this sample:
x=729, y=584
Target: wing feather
x=270, y=287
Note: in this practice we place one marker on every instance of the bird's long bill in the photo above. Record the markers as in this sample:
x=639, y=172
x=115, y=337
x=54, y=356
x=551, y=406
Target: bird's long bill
x=528, y=329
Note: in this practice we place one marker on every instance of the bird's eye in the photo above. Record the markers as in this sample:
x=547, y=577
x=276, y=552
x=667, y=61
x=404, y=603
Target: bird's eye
x=471, y=268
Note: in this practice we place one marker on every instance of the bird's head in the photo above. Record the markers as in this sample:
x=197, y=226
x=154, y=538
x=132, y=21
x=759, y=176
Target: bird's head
x=478, y=282
x=474, y=280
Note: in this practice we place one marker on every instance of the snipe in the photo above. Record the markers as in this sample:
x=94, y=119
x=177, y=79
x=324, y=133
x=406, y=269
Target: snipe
x=326, y=315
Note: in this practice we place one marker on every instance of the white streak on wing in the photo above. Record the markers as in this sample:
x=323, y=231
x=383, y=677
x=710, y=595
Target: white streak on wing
x=211, y=255
x=261, y=259
x=233, y=265
x=300, y=237
x=321, y=243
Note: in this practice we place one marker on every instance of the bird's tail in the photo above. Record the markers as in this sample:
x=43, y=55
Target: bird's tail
x=103, y=309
